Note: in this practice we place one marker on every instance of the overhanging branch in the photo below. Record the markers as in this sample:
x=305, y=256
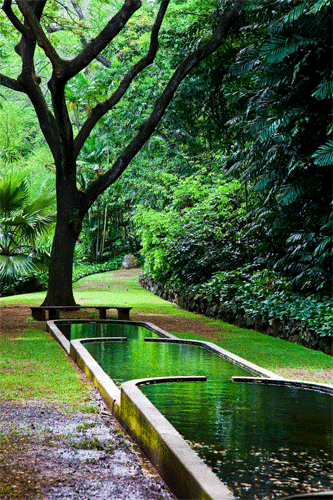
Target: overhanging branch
x=7, y=8
x=102, y=108
x=10, y=83
x=96, y=45
x=148, y=127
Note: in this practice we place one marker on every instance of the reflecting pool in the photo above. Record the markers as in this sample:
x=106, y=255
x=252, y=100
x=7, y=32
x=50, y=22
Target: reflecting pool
x=263, y=441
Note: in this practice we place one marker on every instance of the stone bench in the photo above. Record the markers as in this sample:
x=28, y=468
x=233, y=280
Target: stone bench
x=39, y=312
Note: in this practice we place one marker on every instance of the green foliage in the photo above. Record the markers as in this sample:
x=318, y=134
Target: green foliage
x=33, y=281
x=266, y=294
x=22, y=219
x=280, y=118
x=262, y=103
x=199, y=234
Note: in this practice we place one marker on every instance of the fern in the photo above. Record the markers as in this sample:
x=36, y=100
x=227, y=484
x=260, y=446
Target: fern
x=324, y=154
x=323, y=90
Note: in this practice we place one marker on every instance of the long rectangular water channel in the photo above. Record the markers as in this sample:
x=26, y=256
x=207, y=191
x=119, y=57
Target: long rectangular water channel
x=263, y=441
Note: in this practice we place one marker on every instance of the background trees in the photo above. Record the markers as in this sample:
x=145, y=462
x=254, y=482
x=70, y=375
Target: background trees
x=28, y=21
x=265, y=106
x=284, y=122
x=237, y=171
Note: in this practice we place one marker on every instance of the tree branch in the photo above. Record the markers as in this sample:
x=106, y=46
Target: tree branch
x=11, y=83
x=42, y=40
x=7, y=8
x=102, y=108
x=96, y=45
x=102, y=59
x=148, y=127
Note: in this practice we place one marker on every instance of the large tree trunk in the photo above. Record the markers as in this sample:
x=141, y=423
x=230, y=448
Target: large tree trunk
x=68, y=228
x=60, y=291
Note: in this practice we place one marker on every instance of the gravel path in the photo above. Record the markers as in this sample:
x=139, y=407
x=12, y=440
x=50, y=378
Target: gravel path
x=47, y=453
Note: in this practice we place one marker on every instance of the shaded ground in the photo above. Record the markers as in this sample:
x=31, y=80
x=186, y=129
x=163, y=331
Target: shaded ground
x=47, y=453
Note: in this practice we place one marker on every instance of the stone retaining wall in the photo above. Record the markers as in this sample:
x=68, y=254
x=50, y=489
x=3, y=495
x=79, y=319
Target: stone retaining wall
x=293, y=330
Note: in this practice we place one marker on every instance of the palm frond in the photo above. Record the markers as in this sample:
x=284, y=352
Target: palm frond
x=12, y=266
x=320, y=4
x=323, y=90
x=14, y=193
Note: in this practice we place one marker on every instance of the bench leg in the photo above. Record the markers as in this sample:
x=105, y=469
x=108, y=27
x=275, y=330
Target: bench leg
x=38, y=315
x=102, y=312
x=54, y=314
x=123, y=314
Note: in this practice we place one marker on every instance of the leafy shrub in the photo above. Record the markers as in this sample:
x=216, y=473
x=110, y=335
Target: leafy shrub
x=199, y=235
x=36, y=282
x=266, y=294
x=81, y=270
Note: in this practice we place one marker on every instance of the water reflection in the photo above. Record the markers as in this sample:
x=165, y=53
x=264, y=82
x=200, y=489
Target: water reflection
x=264, y=441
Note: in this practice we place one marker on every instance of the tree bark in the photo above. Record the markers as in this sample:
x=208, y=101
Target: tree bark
x=68, y=228
x=60, y=289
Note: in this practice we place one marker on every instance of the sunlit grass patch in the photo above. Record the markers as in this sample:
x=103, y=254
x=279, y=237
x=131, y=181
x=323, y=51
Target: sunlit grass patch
x=285, y=358
x=33, y=366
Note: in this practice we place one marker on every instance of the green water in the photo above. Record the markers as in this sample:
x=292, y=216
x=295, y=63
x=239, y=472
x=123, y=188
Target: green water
x=264, y=442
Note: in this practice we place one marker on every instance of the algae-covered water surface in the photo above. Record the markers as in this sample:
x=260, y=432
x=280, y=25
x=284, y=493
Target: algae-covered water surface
x=263, y=441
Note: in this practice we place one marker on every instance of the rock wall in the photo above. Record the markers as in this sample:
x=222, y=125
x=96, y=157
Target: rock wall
x=293, y=331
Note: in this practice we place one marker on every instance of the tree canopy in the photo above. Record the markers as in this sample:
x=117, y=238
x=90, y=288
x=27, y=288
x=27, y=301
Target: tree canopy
x=236, y=109
x=30, y=22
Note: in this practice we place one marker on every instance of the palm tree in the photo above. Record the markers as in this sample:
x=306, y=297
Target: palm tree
x=22, y=220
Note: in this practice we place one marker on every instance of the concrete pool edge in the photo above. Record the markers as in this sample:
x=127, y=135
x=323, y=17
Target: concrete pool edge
x=138, y=415
x=304, y=384
x=165, y=337
x=182, y=469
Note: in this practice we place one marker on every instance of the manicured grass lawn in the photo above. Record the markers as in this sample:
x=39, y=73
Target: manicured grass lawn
x=279, y=356
x=33, y=367
x=285, y=358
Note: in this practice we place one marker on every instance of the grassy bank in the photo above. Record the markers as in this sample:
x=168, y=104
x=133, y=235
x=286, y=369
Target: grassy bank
x=122, y=288
x=33, y=367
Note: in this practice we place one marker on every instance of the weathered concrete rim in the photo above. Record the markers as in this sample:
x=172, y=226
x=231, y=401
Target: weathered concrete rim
x=147, y=325
x=186, y=474
x=106, y=386
x=229, y=356
x=51, y=327
x=311, y=496
x=303, y=384
x=88, y=340
x=164, y=380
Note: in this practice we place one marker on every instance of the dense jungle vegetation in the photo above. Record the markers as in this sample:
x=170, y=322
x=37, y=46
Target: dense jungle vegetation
x=233, y=188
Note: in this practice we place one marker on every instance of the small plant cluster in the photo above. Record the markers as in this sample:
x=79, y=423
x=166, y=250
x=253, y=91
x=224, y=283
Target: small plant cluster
x=36, y=282
x=267, y=294
x=81, y=270
x=33, y=282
